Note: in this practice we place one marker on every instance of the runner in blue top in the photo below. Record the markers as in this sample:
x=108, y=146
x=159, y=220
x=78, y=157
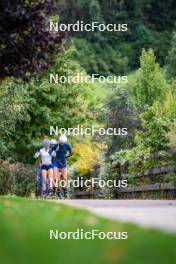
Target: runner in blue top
x=61, y=152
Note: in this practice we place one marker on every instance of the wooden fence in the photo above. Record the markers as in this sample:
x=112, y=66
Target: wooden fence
x=143, y=190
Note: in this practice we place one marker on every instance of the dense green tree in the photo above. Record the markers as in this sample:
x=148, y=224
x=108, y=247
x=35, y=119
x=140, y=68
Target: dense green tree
x=154, y=134
x=119, y=113
x=49, y=104
x=146, y=29
x=159, y=15
x=171, y=59
x=12, y=107
x=150, y=84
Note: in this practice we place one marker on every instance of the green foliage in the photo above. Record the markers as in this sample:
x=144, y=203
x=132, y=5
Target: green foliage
x=16, y=178
x=95, y=11
x=145, y=106
x=171, y=59
x=151, y=130
x=155, y=131
x=110, y=61
x=25, y=226
x=29, y=109
x=12, y=108
x=167, y=109
x=61, y=105
x=119, y=113
x=152, y=137
x=146, y=29
x=150, y=83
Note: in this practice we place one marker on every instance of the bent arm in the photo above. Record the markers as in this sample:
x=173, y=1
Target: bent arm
x=37, y=154
x=70, y=152
x=53, y=150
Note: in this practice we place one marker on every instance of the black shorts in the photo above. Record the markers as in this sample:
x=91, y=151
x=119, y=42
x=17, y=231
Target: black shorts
x=46, y=167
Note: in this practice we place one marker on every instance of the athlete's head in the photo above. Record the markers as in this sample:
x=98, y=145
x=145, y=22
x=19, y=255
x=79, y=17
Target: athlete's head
x=63, y=139
x=46, y=143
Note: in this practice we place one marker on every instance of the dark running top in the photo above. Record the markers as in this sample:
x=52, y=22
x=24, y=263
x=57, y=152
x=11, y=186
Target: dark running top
x=62, y=153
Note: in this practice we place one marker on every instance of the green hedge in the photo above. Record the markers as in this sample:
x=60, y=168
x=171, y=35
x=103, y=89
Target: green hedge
x=16, y=178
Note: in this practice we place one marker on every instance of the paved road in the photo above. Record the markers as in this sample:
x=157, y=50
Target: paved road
x=147, y=213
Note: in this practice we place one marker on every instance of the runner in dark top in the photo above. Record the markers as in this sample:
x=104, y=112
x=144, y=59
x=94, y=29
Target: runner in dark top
x=61, y=152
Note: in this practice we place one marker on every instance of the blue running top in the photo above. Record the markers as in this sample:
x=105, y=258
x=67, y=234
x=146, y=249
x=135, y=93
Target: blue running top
x=61, y=152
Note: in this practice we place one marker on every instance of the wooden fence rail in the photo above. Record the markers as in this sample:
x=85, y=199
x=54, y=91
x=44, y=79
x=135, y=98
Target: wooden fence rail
x=167, y=189
x=148, y=188
x=153, y=171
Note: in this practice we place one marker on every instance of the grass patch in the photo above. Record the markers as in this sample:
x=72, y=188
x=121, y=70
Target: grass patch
x=24, y=237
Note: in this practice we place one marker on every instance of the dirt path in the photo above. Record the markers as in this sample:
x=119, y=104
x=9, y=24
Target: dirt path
x=147, y=213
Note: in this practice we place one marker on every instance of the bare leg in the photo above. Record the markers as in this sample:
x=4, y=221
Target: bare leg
x=44, y=176
x=50, y=178
x=65, y=176
x=56, y=178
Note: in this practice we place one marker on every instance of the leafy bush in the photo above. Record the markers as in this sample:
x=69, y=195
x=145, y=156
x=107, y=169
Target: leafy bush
x=44, y=105
x=87, y=157
x=16, y=178
x=171, y=59
x=150, y=84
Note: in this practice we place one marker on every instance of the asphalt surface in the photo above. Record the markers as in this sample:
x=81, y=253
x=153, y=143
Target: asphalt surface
x=157, y=214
